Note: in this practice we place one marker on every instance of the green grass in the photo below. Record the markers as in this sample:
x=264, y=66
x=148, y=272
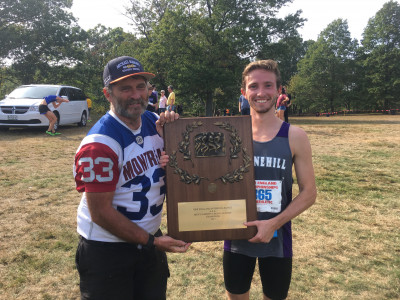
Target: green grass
x=347, y=246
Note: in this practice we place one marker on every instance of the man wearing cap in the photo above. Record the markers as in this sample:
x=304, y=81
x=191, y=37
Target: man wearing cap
x=121, y=251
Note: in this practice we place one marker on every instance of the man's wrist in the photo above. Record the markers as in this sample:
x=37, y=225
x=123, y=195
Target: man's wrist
x=150, y=242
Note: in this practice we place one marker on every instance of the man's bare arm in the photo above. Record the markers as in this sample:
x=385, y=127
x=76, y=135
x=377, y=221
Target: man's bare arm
x=106, y=216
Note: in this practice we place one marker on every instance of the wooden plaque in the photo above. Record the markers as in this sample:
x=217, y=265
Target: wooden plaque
x=210, y=178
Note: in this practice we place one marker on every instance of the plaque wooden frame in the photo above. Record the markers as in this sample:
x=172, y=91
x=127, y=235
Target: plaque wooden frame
x=198, y=171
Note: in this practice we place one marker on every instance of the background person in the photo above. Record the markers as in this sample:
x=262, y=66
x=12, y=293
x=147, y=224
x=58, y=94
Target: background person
x=121, y=251
x=244, y=107
x=156, y=96
x=288, y=104
x=45, y=110
x=277, y=145
x=152, y=98
x=281, y=105
x=163, y=103
x=89, y=104
x=171, y=99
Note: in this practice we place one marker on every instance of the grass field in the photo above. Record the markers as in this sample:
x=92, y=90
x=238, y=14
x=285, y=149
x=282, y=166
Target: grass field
x=347, y=246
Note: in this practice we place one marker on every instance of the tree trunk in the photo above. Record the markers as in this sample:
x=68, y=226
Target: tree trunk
x=209, y=104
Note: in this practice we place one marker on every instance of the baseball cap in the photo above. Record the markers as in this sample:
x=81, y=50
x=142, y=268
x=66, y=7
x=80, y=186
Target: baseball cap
x=123, y=67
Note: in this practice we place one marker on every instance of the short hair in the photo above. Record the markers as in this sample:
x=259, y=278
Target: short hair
x=162, y=91
x=268, y=65
x=171, y=87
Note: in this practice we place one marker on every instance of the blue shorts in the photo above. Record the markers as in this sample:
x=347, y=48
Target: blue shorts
x=283, y=107
x=275, y=273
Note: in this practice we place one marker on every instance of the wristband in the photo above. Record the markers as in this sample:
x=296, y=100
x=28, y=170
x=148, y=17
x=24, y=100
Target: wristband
x=150, y=242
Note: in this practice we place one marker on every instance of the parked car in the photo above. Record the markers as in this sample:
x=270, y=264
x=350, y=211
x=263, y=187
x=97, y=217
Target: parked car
x=21, y=107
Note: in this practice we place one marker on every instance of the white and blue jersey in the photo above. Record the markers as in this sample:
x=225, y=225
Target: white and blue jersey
x=114, y=158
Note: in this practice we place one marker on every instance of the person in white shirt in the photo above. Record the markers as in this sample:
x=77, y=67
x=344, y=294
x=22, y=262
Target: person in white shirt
x=163, y=102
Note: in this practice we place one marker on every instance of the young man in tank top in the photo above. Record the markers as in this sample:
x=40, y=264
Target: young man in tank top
x=277, y=145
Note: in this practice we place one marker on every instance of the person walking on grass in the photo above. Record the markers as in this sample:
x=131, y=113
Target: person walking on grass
x=277, y=145
x=119, y=171
x=45, y=110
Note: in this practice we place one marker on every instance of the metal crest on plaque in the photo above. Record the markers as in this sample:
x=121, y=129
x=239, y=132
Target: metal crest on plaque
x=211, y=144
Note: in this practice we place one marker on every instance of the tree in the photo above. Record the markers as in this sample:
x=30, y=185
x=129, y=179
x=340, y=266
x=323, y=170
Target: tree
x=201, y=46
x=101, y=45
x=287, y=52
x=326, y=74
x=38, y=35
x=381, y=45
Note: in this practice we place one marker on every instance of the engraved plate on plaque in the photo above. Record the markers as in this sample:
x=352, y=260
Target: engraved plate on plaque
x=211, y=215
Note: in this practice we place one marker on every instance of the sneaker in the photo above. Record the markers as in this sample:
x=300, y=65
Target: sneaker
x=56, y=133
x=50, y=133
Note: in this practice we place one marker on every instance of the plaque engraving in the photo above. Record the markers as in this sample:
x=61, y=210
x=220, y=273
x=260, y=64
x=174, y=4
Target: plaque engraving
x=212, y=215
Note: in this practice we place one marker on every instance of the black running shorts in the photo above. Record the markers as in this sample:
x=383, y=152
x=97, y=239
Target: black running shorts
x=120, y=271
x=43, y=109
x=275, y=273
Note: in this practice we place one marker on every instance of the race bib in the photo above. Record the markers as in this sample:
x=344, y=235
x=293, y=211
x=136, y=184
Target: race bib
x=269, y=195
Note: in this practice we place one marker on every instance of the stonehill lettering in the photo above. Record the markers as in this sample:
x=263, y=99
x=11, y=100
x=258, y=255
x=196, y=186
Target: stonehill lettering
x=269, y=162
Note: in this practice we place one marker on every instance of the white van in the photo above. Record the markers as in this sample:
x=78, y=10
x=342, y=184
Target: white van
x=21, y=107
